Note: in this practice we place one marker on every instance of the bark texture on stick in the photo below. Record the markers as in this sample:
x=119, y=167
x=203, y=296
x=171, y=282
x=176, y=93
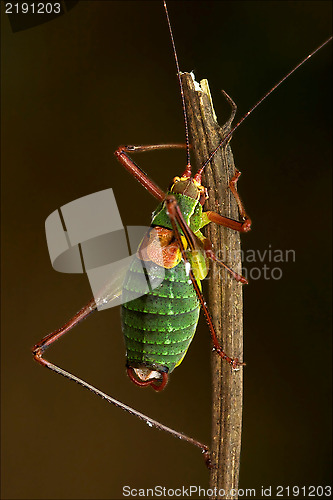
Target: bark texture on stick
x=225, y=294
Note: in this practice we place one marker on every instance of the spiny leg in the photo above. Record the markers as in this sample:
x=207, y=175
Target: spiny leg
x=211, y=255
x=177, y=217
x=140, y=175
x=233, y=187
x=39, y=349
x=242, y=226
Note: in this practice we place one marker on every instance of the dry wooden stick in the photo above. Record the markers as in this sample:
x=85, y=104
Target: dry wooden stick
x=225, y=294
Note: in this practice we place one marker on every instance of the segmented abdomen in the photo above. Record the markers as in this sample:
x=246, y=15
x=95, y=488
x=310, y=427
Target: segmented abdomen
x=158, y=326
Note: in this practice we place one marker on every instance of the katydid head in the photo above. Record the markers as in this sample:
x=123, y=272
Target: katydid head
x=189, y=186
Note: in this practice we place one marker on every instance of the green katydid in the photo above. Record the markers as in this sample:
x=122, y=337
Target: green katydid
x=177, y=229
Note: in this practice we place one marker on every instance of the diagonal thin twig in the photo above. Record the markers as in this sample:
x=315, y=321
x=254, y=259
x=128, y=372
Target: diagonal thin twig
x=225, y=294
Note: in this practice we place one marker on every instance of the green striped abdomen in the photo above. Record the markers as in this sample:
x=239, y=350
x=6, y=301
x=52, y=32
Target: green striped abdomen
x=158, y=326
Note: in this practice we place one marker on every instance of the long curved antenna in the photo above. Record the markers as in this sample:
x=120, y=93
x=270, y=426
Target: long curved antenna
x=227, y=137
x=188, y=162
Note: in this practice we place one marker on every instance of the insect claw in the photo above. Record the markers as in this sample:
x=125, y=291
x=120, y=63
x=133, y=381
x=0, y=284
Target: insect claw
x=208, y=460
x=236, y=364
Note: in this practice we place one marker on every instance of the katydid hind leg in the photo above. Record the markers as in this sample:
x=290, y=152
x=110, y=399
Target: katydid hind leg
x=38, y=354
x=39, y=348
x=149, y=421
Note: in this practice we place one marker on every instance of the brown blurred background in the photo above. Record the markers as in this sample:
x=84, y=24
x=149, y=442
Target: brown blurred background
x=74, y=89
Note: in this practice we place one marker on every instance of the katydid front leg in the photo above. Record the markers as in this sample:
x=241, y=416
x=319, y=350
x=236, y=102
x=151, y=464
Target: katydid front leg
x=242, y=226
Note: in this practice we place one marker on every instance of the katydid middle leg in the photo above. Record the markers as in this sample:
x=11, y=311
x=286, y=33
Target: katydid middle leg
x=177, y=217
